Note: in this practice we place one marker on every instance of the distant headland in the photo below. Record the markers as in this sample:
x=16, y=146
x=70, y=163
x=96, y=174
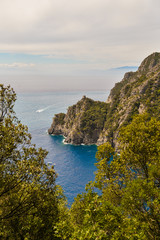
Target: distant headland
x=94, y=122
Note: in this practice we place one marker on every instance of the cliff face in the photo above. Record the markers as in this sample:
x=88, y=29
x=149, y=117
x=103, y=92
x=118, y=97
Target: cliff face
x=93, y=122
x=83, y=122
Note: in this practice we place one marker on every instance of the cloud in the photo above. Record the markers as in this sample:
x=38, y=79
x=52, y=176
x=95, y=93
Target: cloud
x=75, y=27
x=17, y=65
x=78, y=37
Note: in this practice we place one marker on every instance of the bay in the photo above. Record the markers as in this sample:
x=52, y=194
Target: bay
x=73, y=164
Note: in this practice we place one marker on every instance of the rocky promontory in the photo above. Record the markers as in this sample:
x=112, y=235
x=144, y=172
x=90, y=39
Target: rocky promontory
x=95, y=122
x=83, y=122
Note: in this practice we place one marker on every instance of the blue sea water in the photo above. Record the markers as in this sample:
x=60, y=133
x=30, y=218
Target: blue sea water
x=73, y=164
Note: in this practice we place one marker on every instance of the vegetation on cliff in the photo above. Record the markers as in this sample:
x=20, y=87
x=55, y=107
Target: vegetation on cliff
x=138, y=92
x=83, y=122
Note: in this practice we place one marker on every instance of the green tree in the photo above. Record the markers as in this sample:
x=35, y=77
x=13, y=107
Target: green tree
x=131, y=180
x=140, y=150
x=28, y=194
x=128, y=207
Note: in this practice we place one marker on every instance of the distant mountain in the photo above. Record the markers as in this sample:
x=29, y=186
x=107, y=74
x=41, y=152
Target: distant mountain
x=124, y=68
x=94, y=122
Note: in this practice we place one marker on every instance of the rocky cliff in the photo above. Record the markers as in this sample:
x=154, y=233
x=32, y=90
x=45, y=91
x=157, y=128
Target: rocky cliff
x=83, y=122
x=94, y=122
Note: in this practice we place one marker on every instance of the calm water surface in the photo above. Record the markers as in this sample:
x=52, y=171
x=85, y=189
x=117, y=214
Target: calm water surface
x=74, y=164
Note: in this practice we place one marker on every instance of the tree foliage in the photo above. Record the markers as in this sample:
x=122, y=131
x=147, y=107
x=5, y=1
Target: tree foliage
x=129, y=204
x=28, y=193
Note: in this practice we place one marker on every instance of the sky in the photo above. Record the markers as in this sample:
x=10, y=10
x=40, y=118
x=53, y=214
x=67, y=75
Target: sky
x=49, y=45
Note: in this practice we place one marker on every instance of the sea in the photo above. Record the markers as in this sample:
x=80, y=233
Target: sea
x=75, y=165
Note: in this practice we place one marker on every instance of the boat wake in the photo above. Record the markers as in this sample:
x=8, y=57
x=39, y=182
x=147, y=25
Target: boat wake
x=42, y=110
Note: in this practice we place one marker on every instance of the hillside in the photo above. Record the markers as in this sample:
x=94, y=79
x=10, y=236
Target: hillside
x=94, y=122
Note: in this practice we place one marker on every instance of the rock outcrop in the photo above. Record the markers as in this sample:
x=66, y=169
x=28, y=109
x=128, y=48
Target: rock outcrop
x=94, y=122
x=83, y=122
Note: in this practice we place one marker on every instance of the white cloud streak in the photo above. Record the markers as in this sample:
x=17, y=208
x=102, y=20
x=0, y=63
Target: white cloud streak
x=17, y=65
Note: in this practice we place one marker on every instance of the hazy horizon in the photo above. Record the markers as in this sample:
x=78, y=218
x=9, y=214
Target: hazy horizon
x=98, y=82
